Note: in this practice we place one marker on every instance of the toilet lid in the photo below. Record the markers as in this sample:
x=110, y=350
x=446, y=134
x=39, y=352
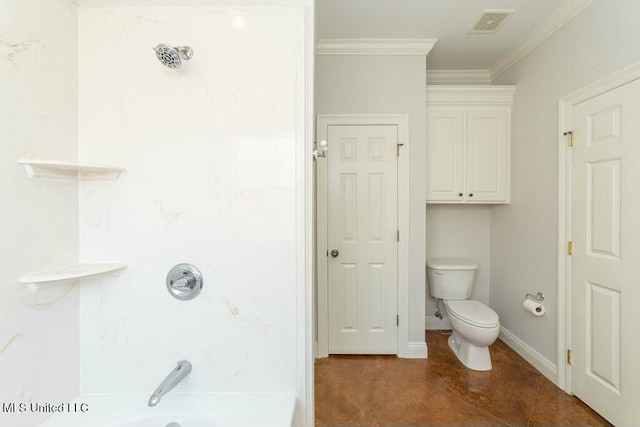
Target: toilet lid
x=473, y=312
x=451, y=264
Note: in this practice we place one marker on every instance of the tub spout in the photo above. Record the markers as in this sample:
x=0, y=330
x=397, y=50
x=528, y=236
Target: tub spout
x=174, y=377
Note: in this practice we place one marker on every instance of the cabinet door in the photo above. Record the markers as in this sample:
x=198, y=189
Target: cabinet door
x=487, y=151
x=445, y=156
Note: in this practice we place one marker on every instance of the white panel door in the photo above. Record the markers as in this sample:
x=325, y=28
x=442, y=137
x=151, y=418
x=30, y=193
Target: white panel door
x=486, y=156
x=605, y=277
x=445, y=155
x=362, y=239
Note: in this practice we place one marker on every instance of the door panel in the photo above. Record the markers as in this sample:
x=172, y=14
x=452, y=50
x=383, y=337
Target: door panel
x=445, y=155
x=486, y=156
x=362, y=227
x=605, y=223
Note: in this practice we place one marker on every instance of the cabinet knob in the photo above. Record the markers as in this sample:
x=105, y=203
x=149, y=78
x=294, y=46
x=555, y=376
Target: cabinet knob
x=460, y=194
x=470, y=194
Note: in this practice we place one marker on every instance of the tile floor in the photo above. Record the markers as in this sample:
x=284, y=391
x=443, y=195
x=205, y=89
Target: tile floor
x=438, y=391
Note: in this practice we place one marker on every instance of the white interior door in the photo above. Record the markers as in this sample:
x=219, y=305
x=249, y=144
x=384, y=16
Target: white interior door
x=362, y=221
x=605, y=279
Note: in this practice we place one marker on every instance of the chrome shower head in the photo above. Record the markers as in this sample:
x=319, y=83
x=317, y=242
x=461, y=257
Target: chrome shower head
x=170, y=56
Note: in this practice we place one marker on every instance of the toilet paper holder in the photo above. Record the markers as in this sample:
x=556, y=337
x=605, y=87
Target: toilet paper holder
x=537, y=297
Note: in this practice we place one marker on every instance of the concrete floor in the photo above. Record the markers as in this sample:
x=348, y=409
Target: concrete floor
x=387, y=391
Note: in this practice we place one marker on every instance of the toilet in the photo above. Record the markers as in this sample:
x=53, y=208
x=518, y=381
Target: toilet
x=475, y=326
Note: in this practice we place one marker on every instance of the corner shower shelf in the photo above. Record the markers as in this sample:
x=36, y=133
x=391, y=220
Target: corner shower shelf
x=68, y=170
x=71, y=272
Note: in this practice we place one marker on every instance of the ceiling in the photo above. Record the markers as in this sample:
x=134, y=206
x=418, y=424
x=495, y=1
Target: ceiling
x=448, y=21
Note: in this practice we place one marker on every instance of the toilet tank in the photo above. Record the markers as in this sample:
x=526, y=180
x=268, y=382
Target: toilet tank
x=451, y=279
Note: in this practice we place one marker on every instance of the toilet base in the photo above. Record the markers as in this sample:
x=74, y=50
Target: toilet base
x=471, y=356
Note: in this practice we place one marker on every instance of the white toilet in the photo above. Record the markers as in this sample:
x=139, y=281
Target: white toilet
x=475, y=326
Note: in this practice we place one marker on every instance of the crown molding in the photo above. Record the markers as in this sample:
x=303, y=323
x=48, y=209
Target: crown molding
x=619, y=78
x=448, y=95
x=549, y=26
x=374, y=46
x=458, y=77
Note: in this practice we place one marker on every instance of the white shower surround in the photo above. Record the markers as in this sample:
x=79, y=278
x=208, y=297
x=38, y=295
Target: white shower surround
x=38, y=218
x=217, y=176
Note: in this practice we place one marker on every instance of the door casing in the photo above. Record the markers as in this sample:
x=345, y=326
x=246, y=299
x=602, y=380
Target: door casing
x=402, y=123
x=613, y=81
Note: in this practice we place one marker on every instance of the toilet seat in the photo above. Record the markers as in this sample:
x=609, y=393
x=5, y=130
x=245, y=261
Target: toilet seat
x=474, y=313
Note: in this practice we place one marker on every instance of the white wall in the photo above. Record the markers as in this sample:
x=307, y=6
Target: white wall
x=387, y=84
x=212, y=153
x=600, y=40
x=38, y=217
x=459, y=232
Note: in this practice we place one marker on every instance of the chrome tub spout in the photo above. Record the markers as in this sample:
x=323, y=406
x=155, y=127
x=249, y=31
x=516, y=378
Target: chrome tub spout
x=174, y=377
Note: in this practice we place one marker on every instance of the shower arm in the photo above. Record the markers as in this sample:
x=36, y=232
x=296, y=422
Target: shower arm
x=185, y=52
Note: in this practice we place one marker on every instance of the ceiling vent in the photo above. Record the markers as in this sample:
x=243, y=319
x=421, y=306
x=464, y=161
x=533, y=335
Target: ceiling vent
x=490, y=21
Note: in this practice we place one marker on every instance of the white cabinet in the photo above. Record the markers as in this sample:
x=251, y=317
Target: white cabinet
x=468, y=143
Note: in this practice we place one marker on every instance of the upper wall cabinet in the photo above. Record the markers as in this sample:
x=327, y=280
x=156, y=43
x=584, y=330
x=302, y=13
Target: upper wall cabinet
x=468, y=143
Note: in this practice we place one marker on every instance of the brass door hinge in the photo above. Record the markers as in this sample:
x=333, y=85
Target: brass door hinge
x=569, y=247
x=398, y=235
x=569, y=136
x=569, y=357
x=398, y=149
x=397, y=320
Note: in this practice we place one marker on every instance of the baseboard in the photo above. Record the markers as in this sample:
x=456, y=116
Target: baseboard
x=435, y=323
x=417, y=350
x=541, y=363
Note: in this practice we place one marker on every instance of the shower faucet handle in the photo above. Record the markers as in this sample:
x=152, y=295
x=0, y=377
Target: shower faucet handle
x=184, y=282
x=187, y=281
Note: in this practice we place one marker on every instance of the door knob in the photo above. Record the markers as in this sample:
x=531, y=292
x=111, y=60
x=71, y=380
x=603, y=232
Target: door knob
x=335, y=253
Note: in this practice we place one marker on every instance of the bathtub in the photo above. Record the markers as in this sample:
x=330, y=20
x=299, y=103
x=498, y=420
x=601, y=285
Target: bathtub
x=181, y=409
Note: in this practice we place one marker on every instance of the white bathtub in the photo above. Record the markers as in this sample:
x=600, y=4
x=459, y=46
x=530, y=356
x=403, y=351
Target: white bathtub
x=183, y=409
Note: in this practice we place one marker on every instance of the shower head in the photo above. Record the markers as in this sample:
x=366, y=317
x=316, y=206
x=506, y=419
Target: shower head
x=170, y=56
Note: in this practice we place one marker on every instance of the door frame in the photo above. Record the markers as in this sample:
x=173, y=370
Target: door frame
x=322, y=301
x=565, y=107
